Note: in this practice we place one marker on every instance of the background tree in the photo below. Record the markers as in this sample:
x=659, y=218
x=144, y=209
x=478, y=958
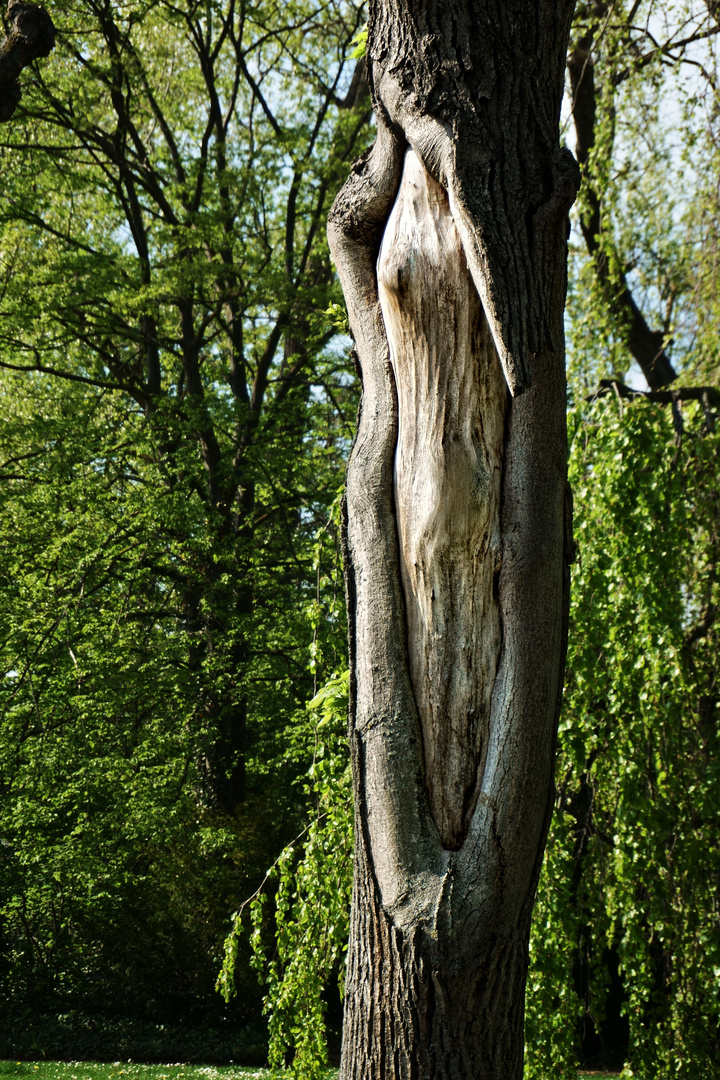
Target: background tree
x=625, y=929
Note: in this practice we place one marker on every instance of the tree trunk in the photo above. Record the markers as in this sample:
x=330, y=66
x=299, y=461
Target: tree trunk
x=450, y=242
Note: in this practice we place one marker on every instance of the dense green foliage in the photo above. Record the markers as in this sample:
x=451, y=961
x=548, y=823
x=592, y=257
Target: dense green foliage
x=174, y=418
x=633, y=862
x=633, y=865
x=310, y=906
x=627, y=915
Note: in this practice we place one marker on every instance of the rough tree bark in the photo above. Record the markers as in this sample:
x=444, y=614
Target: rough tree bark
x=31, y=35
x=450, y=241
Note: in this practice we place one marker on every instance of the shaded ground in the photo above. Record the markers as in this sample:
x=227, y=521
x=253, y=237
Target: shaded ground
x=128, y=1070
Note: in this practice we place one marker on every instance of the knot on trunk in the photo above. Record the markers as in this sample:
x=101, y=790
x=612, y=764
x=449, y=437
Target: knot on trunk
x=566, y=183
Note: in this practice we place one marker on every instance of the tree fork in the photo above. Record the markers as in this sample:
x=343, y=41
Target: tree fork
x=450, y=242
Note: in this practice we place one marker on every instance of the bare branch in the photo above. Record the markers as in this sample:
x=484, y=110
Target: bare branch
x=42, y=369
x=708, y=395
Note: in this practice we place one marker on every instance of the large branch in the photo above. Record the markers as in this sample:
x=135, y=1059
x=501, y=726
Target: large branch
x=32, y=35
x=646, y=345
x=708, y=395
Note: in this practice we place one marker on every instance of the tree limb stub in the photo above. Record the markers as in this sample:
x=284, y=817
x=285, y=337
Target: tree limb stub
x=31, y=36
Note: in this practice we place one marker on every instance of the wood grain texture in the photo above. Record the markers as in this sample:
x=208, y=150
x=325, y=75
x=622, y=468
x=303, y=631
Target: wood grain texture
x=451, y=414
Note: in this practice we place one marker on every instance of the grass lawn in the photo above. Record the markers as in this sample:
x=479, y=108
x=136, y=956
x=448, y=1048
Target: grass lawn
x=123, y=1070
x=127, y=1070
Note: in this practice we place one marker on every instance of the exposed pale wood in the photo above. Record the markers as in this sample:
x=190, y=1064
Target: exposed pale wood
x=448, y=466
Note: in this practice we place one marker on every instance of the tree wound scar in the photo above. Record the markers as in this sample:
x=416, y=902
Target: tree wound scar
x=452, y=400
